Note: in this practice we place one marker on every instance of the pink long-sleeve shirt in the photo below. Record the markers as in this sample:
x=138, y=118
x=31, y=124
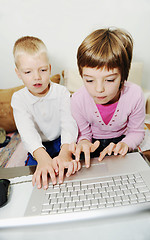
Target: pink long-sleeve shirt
x=128, y=118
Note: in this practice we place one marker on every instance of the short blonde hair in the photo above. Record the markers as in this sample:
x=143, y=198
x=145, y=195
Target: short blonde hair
x=28, y=44
x=109, y=48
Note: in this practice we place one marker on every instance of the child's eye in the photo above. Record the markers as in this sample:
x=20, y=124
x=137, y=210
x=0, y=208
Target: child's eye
x=27, y=72
x=43, y=70
x=89, y=80
x=110, y=80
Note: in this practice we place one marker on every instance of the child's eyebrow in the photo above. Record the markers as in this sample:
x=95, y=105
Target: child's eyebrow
x=25, y=69
x=109, y=75
x=85, y=75
x=28, y=68
x=113, y=74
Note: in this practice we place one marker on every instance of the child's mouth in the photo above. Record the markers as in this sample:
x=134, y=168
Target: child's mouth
x=100, y=98
x=37, y=85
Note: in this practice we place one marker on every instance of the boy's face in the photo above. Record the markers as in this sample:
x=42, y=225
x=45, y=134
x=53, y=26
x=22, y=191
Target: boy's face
x=102, y=85
x=34, y=71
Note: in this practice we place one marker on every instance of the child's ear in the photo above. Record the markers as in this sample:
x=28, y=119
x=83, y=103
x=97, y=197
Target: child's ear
x=50, y=68
x=17, y=72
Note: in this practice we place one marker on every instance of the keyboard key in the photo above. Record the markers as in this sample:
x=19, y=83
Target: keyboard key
x=46, y=208
x=71, y=205
x=61, y=200
x=133, y=197
x=76, y=199
x=140, y=195
x=69, y=184
x=82, y=198
x=79, y=204
x=143, y=189
x=68, y=199
x=117, y=199
x=87, y=203
x=110, y=200
x=90, y=197
x=63, y=206
x=81, y=192
x=94, y=202
x=75, y=184
x=85, y=208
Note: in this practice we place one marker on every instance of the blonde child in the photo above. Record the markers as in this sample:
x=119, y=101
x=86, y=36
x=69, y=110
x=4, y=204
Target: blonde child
x=109, y=110
x=42, y=114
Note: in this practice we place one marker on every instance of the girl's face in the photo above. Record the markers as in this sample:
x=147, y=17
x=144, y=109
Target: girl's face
x=102, y=85
x=34, y=71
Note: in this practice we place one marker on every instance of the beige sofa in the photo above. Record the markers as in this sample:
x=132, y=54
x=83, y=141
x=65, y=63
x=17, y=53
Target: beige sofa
x=73, y=81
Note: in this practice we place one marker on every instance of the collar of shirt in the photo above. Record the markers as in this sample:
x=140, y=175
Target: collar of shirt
x=52, y=94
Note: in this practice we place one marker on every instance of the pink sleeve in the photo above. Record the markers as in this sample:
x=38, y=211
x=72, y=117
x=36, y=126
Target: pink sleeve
x=135, y=127
x=79, y=114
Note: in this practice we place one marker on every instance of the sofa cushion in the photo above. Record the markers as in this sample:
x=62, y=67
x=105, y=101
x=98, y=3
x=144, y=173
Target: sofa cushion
x=6, y=113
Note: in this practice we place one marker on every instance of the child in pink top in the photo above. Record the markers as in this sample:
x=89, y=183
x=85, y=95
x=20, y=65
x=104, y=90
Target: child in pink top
x=109, y=111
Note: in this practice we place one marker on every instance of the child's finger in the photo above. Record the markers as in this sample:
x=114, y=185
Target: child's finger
x=45, y=179
x=124, y=151
x=70, y=169
x=117, y=149
x=75, y=166
x=61, y=173
x=79, y=166
x=72, y=147
x=33, y=179
x=37, y=175
x=52, y=175
x=121, y=149
x=102, y=155
x=86, y=151
x=95, y=145
x=55, y=165
x=110, y=148
x=78, y=152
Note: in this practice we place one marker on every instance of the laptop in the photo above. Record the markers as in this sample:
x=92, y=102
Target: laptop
x=117, y=185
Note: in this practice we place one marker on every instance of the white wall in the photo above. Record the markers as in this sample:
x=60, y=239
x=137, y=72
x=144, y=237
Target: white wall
x=63, y=24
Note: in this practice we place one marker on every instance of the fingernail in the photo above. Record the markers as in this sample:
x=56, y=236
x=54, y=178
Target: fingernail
x=87, y=166
x=39, y=186
x=45, y=187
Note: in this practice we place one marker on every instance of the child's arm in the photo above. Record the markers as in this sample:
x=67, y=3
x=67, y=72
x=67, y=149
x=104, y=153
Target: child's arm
x=134, y=106
x=86, y=147
x=46, y=165
x=64, y=160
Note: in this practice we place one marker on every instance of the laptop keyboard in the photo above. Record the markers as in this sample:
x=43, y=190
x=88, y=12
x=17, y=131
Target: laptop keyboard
x=95, y=194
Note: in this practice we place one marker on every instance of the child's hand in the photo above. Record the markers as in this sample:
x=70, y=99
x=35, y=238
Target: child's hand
x=46, y=165
x=72, y=166
x=84, y=146
x=64, y=161
x=119, y=148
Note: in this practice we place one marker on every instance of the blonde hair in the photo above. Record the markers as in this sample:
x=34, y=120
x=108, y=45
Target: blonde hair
x=109, y=48
x=28, y=44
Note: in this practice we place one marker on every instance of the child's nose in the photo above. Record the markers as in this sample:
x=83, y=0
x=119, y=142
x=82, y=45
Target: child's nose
x=99, y=87
x=37, y=75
